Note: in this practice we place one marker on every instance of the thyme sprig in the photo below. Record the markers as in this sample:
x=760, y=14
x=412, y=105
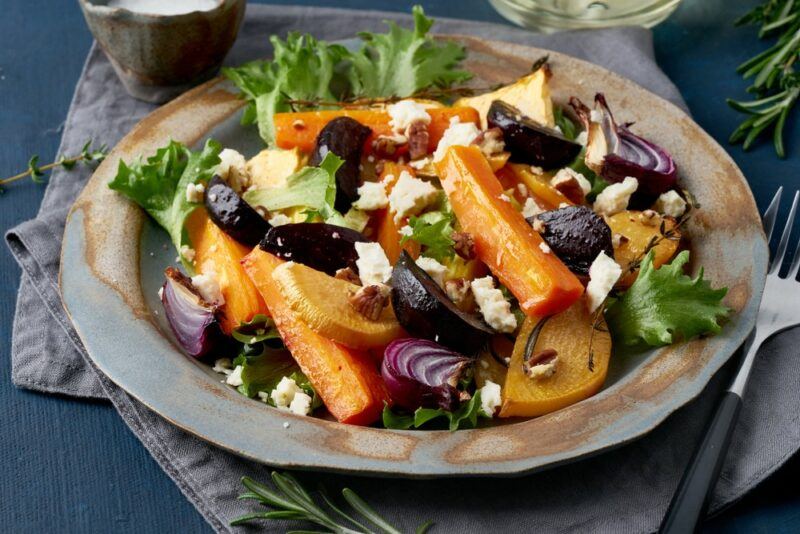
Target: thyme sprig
x=88, y=155
x=291, y=501
x=776, y=85
x=672, y=234
x=436, y=93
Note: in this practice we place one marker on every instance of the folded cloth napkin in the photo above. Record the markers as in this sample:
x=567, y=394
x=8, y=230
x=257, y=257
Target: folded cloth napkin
x=624, y=490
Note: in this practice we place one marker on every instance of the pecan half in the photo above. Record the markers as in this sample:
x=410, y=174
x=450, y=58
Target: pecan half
x=417, y=134
x=369, y=301
x=464, y=244
x=460, y=292
x=570, y=187
x=348, y=275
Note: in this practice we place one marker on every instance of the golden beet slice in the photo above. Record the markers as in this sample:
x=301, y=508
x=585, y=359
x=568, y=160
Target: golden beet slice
x=636, y=231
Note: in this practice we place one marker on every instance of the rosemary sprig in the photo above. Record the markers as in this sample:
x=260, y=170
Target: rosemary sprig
x=88, y=155
x=291, y=501
x=776, y=86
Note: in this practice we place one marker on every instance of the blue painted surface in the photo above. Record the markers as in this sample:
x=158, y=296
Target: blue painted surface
x=72, y=466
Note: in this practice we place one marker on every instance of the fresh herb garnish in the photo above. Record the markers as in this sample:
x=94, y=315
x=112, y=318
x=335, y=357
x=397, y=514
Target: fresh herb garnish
x=776, y=85
x=433, y=231
x=465, y=416
x=398, y=63
x=159, y=185
x=89, y=155
x=259, y=328
x=567, y=126
x=292, y=502
x=664, y=303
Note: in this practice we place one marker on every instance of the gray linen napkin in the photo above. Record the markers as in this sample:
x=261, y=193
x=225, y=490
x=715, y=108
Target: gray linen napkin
x=623, y=490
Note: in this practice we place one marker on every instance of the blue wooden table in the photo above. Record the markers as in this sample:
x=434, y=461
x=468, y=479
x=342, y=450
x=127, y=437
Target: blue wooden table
x=73, y=466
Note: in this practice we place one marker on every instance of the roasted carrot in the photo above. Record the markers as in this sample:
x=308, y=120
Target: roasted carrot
x=218, y=252
x=388, y=232
x=504, y=241
x=346, y=380
x=538, y=185
x=301, y=129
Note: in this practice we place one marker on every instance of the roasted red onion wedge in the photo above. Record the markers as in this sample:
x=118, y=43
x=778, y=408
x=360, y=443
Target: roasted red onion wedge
x=614, y=152
x=422, y=374
x=193, y=321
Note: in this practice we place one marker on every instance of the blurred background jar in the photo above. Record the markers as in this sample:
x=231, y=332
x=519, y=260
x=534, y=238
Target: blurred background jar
x=555, y=15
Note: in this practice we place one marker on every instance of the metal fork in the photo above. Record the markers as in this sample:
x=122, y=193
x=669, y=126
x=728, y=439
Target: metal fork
x=778, y=312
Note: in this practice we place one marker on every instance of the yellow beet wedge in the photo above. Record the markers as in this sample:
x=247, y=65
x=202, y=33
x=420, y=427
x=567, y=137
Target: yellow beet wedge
x=637, y=230
x=322, y=302
x=568, y=333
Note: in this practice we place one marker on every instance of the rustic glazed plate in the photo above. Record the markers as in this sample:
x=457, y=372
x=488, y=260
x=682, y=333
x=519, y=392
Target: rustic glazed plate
x=113, y=259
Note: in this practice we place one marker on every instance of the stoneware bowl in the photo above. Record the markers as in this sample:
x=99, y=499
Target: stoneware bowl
x=113, y=260
x=159, y=56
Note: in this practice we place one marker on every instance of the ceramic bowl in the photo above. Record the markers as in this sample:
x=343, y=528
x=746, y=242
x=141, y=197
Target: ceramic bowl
x=159, y=56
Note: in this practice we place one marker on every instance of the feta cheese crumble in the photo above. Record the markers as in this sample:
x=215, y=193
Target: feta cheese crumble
x=410, y=196
x=279, y=219
x=373, y=265
x=543, y=370
x=208, y=286
x=615, y=197
x=435, y=269
x=223, y=366
x=603, y=274
x=371, y=196
x=495, y=308
x=490, y=398
x=458, y=134
x=406, y=231
x=187, y=253
x=235, y=378
x=194, y=192
x=233, y=169
x=287, y=395
x=531, y=208
x=403, y=113
x=544, y=247
x=566, y=174
x=671, y=204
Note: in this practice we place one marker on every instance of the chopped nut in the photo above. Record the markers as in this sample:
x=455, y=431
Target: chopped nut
x=459, y=291
x=299, y=124
x=618, y=239
x=386, y=146
x=369, y=301
x=417, y=134
x=490, y=141
x=464, y=396
x=541, y=364
x=464, y=245
x=570, y=187
x=348, y=275
x=649, y=217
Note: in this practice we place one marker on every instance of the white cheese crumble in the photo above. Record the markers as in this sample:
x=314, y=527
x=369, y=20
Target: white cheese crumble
x=233, y=169
x=458, y=134
x=279, y=219
x=566, y=174
x=373, y=265
x=235, y=378
x=371, y=196
x=435, y=269
x=194, y=192
x=603, y=274
x=406, y=231
x=208, y=286
x=531, y=208
x=405, y=112
x=287, y=395
x=544, y=247
x=187, y=253
x=420, y=163
x=671, y=203
x=223, y=366
x=494, y=307
x=543, y=370
x=504, y=197
x=410, y=196
x=490, y=398
x=615, y=197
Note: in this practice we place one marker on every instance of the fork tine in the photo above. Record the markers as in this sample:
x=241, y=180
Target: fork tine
x=787, y=230
x=772, y=213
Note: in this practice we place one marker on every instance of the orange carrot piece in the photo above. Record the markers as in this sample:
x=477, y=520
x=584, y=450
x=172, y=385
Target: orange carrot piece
x=504, y=241
x=217, y=251
x=388, y=232
x=301, y=129
x=346, y=380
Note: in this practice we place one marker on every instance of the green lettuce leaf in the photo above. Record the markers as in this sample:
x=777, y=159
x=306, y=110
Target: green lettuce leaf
x=432, y=230
x=259, y=328
x=403, y=62
x=263, y=367
x=398, y=63
x=664, y=304
x=158, y=184
x=465, y=416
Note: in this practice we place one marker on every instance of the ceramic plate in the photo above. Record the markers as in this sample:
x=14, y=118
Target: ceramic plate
x=113, y=259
